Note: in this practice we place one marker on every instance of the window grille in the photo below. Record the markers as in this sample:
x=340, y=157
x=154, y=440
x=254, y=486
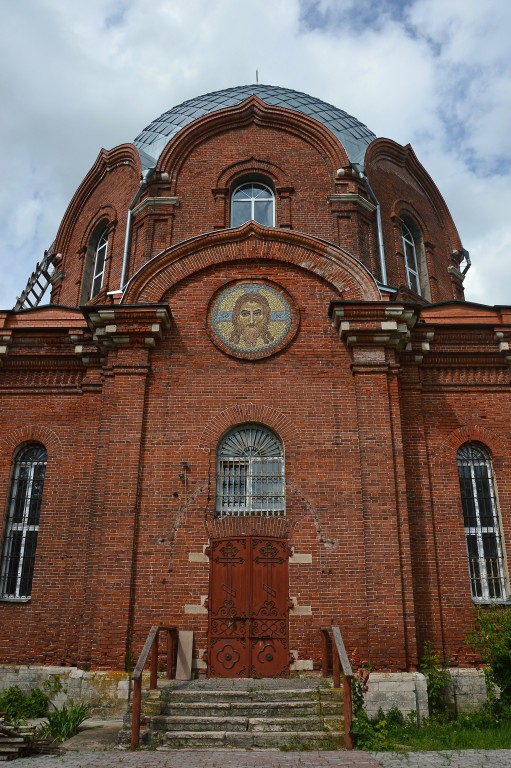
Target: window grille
x=250, y=474
x=253, y=202
x=481, y=518
x=22, y=524
x=411, y=263
x=99, y=264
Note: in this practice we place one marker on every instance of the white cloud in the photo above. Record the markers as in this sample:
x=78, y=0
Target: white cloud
x=94, y=74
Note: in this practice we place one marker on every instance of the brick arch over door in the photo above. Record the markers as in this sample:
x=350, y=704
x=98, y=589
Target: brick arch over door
x=252, y=241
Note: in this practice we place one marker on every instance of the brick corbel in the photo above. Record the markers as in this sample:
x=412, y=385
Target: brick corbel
x=124, y=325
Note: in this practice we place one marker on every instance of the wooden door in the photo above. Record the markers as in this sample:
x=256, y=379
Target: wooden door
x=248, y=608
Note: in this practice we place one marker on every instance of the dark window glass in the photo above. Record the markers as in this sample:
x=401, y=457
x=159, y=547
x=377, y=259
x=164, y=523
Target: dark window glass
x=481, y=520
x=20, y=539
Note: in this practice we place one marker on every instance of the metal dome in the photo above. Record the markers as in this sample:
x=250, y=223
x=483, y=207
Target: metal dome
x=353, y=135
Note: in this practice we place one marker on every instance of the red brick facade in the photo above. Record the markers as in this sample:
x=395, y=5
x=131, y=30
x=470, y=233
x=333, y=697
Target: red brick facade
x=371, y=398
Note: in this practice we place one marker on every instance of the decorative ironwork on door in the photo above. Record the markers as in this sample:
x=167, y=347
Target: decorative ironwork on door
x=248, y=608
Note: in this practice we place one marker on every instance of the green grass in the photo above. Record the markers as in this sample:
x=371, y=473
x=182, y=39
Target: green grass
x=479, y=730
x=453, y=735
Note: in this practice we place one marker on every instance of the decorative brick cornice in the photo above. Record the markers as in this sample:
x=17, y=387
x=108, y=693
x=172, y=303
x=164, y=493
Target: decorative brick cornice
x=118, y=326
x=374, y=324
x=503, y=339
x=420, y=343
x=5, y=342
x=155, y=202
x=350, y=198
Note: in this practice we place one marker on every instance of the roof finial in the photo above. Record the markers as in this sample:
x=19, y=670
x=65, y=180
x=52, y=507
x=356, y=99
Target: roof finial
x=257, y=77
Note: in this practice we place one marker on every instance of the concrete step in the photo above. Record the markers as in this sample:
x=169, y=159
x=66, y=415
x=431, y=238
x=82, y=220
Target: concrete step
x=244, y=714
x=213, y=724
x=175, y=694
x=248, y=739
x=245, y=709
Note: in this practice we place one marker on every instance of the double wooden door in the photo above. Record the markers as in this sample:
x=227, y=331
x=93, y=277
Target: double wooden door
x=248, y=607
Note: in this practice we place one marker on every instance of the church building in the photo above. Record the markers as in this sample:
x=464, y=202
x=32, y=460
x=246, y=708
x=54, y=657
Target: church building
x=256, y=405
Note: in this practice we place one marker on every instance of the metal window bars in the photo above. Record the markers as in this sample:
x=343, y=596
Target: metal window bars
x=482, y=530
x=250, y=474
x=22, y=526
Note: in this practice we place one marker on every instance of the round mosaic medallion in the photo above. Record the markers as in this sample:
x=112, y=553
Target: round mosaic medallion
x=252, y=319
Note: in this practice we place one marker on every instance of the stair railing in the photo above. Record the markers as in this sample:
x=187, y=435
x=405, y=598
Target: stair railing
x=332, y=639
x=151, y=647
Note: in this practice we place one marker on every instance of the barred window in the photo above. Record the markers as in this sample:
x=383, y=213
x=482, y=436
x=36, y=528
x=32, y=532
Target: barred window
x=250, y=473
x=482, y=529
x=22, y=525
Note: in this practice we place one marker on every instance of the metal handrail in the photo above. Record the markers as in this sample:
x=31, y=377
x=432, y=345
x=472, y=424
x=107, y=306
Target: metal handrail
x=151, y=646
x=332, y=638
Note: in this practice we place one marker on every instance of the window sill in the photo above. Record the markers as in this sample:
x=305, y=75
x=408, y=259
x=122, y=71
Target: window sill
x=15, y=599
x=480, y=601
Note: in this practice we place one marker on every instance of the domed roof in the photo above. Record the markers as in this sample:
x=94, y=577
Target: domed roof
x=353, y=135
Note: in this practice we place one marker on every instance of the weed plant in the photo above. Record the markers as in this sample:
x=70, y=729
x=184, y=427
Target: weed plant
x=64, y=722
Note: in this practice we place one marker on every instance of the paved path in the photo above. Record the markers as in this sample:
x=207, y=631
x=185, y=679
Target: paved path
x=234, y=758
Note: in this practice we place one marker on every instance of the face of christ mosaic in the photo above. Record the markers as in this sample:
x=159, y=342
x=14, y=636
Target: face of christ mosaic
x=252, y=320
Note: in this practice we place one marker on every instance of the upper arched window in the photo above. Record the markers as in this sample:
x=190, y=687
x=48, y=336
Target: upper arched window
x=250, y=473
x=482, y=527
x=411, y=261
x=22, y=524
x=98, y=271
x=253, y=202
x=95, y=262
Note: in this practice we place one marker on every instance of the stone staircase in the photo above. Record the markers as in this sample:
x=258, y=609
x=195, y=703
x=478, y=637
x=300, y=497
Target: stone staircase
x=14, y=742
x=297, y=713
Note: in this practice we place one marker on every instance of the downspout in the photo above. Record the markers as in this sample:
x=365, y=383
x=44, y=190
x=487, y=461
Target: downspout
x=381, y=249
x=146, y=175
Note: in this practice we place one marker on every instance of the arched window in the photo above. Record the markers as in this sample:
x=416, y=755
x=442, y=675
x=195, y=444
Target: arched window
x=95, y=262
x=22, y=525
x=253, y=201
x=481, y=518
x=411, y=261
x=250, y=473
x=98, y=271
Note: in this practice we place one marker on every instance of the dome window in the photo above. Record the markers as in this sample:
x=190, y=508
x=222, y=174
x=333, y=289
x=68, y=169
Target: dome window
x=253, y=202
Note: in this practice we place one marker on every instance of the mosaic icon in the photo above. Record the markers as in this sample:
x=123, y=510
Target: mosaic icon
x=251, y=319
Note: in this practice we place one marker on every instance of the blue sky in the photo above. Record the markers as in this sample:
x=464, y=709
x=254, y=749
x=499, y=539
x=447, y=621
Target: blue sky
x=76, y=77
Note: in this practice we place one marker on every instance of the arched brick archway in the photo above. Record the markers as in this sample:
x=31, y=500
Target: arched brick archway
x=252, y=241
